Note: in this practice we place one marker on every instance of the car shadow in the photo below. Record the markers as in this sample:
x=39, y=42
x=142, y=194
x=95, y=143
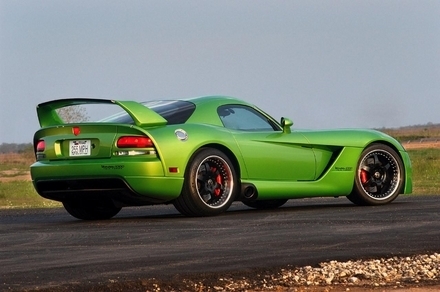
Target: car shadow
x=239, y=209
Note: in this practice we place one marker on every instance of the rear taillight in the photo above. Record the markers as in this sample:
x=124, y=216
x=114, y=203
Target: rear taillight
x=135, y=143
x=39, y=150
x=41, y=146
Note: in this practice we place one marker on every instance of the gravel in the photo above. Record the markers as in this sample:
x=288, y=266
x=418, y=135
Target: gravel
x=397, y=273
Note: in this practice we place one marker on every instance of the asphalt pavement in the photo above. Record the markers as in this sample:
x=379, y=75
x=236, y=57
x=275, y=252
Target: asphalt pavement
x=44, y=247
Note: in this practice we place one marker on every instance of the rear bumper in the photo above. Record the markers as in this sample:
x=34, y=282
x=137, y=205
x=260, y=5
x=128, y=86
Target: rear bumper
x=129, y=183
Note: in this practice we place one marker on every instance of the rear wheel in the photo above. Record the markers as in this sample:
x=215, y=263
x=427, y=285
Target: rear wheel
x=210, y=184
x=379, y=177
x=91, y=210
x=265, y=204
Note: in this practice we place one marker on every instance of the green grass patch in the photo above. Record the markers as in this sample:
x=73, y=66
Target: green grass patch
x=21, y=194
x=426, y=170
x=14, y=168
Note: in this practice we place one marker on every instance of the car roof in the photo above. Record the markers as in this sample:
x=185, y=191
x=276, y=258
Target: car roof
x=216, y=99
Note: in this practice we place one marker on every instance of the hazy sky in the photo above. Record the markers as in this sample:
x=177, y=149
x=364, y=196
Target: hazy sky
x=323, y=64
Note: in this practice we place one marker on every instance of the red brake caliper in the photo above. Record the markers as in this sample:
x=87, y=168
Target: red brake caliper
x=364, y=177
x=218, y=179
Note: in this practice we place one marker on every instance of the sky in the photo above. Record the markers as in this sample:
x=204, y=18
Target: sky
x=323, y=64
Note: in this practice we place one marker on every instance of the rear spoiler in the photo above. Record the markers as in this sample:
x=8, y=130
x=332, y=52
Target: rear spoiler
x=141, y=115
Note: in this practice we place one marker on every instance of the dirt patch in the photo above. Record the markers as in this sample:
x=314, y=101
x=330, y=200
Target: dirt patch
x=8, y=178
x=14, y=175
x=420, y=145
x=18, y=167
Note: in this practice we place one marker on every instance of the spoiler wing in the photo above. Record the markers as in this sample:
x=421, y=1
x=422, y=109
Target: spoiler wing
x=141, y=115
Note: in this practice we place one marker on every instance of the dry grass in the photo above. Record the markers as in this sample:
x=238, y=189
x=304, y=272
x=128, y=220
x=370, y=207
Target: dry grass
x=17, y=158
x=414, y=133
x=15, y=166
x=420, y=145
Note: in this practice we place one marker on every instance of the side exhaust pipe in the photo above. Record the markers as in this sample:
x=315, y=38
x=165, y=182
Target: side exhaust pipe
x=248, y=192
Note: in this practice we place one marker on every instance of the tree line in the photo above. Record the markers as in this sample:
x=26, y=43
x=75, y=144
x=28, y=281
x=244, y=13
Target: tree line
x=15, y=147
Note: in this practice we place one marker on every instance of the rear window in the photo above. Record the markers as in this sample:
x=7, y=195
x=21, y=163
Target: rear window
x=174, y=111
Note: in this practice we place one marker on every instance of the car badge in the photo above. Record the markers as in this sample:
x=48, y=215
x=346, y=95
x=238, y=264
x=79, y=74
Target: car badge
x=76, y=131
x=181, y=135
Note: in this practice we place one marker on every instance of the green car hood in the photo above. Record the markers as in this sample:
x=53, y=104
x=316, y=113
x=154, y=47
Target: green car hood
x=347, y=137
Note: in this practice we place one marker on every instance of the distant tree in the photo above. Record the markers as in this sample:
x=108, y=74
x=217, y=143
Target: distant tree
x=15, y=148
x=73, y=114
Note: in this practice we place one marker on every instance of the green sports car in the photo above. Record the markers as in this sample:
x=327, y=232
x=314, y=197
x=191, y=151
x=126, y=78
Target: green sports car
x=201, y=154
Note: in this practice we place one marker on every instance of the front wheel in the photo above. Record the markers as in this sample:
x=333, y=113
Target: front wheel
x=379, y=177
x=91, y=210
x=210, y=184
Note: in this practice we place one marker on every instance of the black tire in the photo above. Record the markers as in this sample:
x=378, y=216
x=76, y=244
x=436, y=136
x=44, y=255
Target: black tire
x=210, y=184
x=379, y=176
x=91, y=210
x=265, y=204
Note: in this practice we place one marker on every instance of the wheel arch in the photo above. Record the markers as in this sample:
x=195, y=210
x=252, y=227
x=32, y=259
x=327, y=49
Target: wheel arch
x=384, y=142
x=405, y=172
x=227, y=152
x=391, y=145
x=190, y=201
x=406, y=163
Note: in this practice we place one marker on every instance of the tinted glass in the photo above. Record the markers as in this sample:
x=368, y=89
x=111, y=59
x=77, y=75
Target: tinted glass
x=174, y=111
x=244, y=118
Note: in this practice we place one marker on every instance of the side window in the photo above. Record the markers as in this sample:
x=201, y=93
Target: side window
x=243, y=118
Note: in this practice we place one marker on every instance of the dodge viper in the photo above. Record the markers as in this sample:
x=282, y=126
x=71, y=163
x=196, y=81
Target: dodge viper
x=201, y=154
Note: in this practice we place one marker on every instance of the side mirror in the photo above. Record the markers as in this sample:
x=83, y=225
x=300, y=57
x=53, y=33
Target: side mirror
x=286, y=124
